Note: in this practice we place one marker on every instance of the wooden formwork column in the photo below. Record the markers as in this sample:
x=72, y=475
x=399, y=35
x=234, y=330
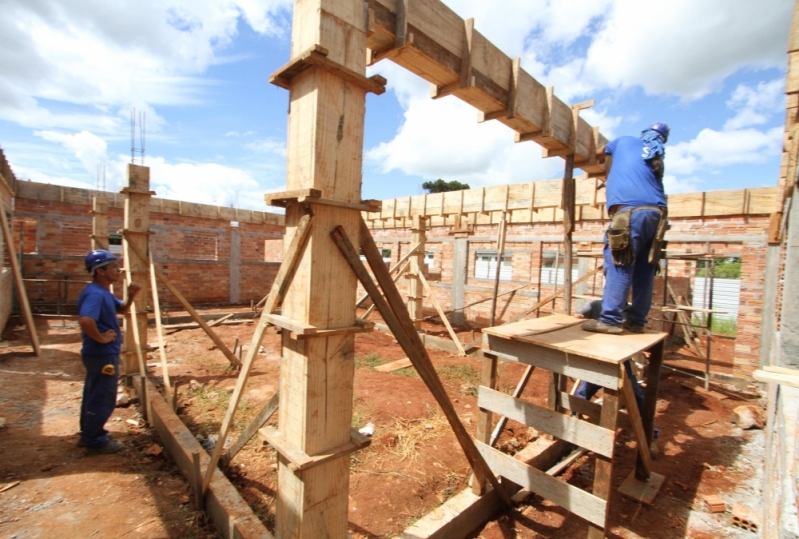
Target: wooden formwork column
x=99, y=222
x=137, y=268
x=325, y=148
x=415, y=287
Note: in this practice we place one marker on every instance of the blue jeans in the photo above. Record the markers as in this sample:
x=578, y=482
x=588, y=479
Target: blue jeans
x=587, y=390
x=99, y=398
x=640, y=275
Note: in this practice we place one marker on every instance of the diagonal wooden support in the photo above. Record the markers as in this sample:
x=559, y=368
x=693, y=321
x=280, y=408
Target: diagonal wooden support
x=441, y=314
x=186, y=305
x=159, y=329
x=257, y=422
x=399, y=274
x=399, y=265
x=279, y=287
x=21, y=294
x=638, y=428
x=394, y=312
x=516, y=394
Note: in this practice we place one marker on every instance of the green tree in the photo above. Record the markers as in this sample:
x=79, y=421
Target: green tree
x=439, y=186
x=726, y=268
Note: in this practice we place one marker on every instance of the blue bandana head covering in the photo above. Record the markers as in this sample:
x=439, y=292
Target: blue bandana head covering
x=653, y=144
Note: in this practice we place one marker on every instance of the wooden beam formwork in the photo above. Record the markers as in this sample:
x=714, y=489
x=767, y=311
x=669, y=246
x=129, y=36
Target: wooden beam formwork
x=415, y=287
x=539, y=202
x=325, y=148
x=429, y=39
x=99, y=222
x=137, y=265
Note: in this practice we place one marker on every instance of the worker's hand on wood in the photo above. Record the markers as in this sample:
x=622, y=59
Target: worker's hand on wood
x=133, y=289
x=578, y=315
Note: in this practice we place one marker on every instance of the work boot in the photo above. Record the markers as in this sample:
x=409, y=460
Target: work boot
x=596, y=326
x=635, y=327
x=108, y=449
x=81, y=443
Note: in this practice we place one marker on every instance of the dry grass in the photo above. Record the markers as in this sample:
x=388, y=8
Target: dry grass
x=413, y=433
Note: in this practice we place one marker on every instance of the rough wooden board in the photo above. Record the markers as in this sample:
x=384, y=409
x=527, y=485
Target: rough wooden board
x=571, y=498
x=292, y=325
x=777, y=378
x=532, y=327
x=564, y=427
x=231, y=515
x=394, y=365
x=642, y=491
x=599, y=346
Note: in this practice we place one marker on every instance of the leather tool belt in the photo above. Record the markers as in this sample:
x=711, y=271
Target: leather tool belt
x=620, y=239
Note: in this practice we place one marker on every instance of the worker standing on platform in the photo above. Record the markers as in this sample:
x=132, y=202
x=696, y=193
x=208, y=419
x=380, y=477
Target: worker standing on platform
x=637, y=208
x=97, y=312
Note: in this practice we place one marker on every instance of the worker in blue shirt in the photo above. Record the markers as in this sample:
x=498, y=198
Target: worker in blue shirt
x=636, y=204
x=97, y=316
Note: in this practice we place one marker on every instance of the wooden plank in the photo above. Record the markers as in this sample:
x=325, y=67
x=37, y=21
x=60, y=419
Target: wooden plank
x=441, y=315
x=99, y=222
x=402, y=328
x=282, y=280
x=159, y=329
x=536, y=326
x=327, y=333
x=394, y=365
x=598, y=372
x=233, y=518
x=296, y=457
x=294, y=326
x=642, y=491
x=571, y=498
x=485, y=417
x=197, y=318
x=777, y=378
x=135, y=248
x=415, y=284
x=570, y=429
x=603, y=467
x=22, y=295
x=257, y=422
x=638, y=428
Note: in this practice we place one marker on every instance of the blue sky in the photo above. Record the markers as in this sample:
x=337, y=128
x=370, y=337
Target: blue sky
x=216, y=129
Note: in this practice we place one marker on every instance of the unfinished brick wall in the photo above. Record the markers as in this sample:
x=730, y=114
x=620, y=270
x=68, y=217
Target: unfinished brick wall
x=6, y=278
x=193, y=245
x=531, y=245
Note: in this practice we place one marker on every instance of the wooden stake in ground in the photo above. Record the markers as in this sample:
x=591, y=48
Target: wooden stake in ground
x=159, y=329
x=22, y=295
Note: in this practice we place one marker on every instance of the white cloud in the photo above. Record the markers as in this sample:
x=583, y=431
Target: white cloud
x=687, y=48
x=712, y=150
x=270, y=146
x=87, y=147
x=756, y=105
x=673, y=184
x=115, y=54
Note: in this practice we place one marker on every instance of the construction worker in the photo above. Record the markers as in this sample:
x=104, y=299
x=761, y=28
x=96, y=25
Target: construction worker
x=637, y=208
x=97, y=311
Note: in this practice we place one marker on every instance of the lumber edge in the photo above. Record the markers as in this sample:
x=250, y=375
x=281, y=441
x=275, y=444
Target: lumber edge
x=231, y=515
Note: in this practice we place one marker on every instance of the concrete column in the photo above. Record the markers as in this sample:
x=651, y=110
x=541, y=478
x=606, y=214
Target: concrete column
x=769, y=323
x=789, y=318
x=460, y=271
x=582, y=269
x=235, y=265
x=99, y=222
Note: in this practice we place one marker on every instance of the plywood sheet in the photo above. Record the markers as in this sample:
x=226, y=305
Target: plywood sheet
x=536, y=326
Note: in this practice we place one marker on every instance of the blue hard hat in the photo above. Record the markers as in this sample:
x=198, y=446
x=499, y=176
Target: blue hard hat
x=98, y=259
x=661, y=128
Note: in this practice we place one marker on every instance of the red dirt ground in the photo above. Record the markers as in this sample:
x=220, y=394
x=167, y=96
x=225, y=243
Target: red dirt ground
x=413, y=465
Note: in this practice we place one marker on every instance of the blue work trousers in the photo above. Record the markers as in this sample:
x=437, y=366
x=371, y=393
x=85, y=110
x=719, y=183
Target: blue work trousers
x=587, y=390
x=640, y=275
x=99, y=398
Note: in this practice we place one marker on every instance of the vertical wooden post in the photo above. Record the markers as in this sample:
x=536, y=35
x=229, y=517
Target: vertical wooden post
x=567, y=205
x=137, y=266
x=500, y=251
x=99, y=222
x=415, y=287
x=485, y=418
x=325, y=148
x=603, y=468
x=22, y=295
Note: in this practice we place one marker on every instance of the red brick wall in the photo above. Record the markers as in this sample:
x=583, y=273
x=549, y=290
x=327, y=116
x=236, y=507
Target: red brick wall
x=193, y=251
